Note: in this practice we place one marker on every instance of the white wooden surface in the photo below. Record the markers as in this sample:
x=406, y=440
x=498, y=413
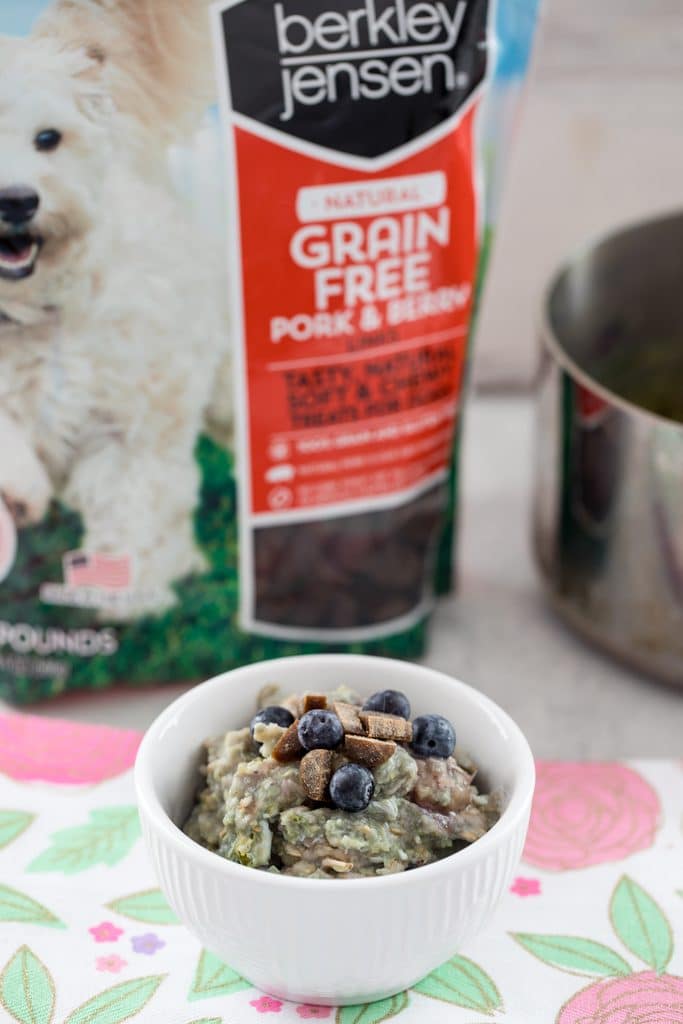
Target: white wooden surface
x=599, y=144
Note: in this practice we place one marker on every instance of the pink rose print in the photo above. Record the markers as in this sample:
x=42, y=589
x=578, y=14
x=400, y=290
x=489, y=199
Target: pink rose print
x=314, y=1012
x=645, y=998
x=526, y=887
x=112, y=964
x=586, y=814
x=105, y=932
x=266, y=1004
x=41, y=749
x=149, y=944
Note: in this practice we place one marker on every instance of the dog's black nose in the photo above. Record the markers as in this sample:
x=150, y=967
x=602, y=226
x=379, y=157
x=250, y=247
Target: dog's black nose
x=18, y=204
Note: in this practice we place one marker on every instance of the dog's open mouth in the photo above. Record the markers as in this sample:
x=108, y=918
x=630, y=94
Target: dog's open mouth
x=19, y=255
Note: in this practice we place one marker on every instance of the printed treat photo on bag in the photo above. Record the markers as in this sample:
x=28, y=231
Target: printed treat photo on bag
x=239, y=234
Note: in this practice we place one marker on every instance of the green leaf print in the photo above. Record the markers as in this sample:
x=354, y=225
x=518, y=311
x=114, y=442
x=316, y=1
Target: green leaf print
x=208, y=1020
x=373, y=1013
x=118, y=1003
x=574, y=955
x=463, y=983
x=149, y=906
x=12, y=824
x=640, y=924
x=27, y=990
x=106, y=839
x=17, y=906
x=214, y=978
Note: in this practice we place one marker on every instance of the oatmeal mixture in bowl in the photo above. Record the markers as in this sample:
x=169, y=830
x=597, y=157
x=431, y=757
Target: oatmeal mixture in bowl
x=328, y=786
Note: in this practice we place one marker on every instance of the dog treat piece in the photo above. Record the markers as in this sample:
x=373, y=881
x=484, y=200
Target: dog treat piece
x=314, y=702
x=371, y=753
x=288, y=747
x=348, y=572
x=316, y=771
x=386, y=727
x=348, y=716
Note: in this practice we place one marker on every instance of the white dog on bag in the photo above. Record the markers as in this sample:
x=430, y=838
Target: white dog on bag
x=111, y=336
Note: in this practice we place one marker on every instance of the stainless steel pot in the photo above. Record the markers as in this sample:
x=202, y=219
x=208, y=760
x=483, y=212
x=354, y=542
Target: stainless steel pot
x=608, y=515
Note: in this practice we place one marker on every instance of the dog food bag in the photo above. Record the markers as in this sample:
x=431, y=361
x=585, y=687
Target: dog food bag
x=240, y=250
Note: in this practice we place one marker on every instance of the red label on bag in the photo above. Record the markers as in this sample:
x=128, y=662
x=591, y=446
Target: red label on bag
x=357, y=294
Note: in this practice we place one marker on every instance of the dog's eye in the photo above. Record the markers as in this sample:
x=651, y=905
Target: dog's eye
x=48, y=140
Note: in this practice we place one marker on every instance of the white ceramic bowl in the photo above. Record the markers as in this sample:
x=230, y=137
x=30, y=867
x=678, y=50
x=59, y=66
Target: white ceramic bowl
x=318, y=940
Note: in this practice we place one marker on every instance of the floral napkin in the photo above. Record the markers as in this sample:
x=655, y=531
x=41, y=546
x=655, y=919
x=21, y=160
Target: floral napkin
x=591, y=931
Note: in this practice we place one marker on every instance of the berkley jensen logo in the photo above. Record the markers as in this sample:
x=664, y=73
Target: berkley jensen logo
x=362, y=77
x=366, y=54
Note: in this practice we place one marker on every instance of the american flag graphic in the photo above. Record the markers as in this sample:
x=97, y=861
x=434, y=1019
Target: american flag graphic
x=90, y=569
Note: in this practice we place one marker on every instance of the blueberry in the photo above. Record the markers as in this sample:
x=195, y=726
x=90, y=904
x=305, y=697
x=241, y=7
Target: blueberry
x=433, y=736
x=392, y=702
x=271, y=716
x=320, y=729
x=352, y=787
